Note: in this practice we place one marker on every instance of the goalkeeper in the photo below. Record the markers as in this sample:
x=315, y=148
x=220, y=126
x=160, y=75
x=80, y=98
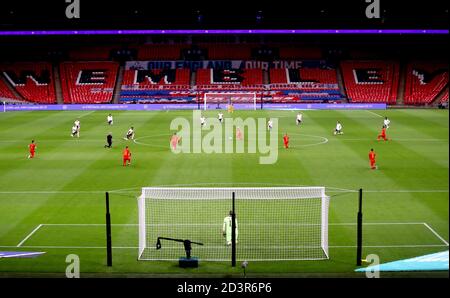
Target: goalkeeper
x=227, y=228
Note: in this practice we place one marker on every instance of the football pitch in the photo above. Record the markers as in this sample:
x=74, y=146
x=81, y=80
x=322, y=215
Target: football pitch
x=55, y=203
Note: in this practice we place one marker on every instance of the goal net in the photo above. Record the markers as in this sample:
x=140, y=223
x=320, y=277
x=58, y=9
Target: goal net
x=280, y=223
x=213, y=100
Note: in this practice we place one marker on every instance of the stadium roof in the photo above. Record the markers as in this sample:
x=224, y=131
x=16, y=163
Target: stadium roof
x=133, y=14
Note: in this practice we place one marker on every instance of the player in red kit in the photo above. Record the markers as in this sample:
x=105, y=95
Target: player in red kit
x=382, y=135
x=372, y=156
x=32, y=148
x=286, y=140
x=126, y=156
x=174, y=141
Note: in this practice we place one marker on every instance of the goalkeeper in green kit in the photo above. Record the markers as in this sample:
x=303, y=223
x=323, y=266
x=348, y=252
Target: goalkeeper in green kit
x=227, y=228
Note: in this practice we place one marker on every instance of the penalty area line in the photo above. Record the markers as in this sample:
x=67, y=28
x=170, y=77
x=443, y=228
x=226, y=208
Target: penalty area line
x=373, y=113
x=29, y=235
x=435, y=233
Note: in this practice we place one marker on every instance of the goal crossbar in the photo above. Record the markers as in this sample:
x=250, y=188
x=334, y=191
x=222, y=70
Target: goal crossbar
x=273, y=223
x=227, y=97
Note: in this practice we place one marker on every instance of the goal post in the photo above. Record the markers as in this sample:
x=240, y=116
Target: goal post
x=272, y=223
x=229, y=98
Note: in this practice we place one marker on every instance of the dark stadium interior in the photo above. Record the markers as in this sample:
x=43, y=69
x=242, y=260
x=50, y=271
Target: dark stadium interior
x=394, y=54
x=105, y=14
x=169, y=70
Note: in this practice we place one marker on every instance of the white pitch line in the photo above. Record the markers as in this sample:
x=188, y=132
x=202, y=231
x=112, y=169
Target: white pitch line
x=69, y=247
x=85, y=114
x=22, y=254
x=373, y=113
x=29, y=235
x=390, y=246
x=258, y=224
x=407, y=191
x=331, y=190
x=80, y=224
x=435, y=233
x=136, y=247
x=51, y=192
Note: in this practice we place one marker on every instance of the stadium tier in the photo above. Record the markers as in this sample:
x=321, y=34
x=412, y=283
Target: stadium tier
x=155, y=78
x=445, y=97
x=91, y=53
x=156, y=85
x=300, y=53
x=371, y=81
x=184, y=81
x=88, y=82
x=304, y=84
x=5, y=93
x=217, y=78
x=159, y=52
x=228, y=52
x=424, y=81
x=33, y=81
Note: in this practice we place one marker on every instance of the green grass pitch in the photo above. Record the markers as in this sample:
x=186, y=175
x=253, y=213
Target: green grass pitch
x=60, y=194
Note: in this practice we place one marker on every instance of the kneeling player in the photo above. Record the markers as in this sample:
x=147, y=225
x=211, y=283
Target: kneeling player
x=286, y=141
x=372, y=156
x=75, y=131
x=78, y=125
x=220, y=116
x=338, y=129
x=130, y=134
x=386, y=122
x=109, y=119
x=238, y=134
x=269, y=124
x=174, y=141
x=299, y=119
x=126, y=156
x=32, y=148
x=382, y=135
x=202, y=121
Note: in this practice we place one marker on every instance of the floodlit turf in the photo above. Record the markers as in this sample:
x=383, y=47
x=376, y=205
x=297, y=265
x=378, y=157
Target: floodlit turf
x=60, y=194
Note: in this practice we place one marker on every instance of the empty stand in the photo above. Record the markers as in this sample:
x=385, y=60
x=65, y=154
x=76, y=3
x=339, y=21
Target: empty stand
x=160, y=52
x=444, y=97
x=88, y=82
x=213, y=79
x=5, y=92
x=424, y=81
x=371, y=81
x=156, y=79
x=33, y=81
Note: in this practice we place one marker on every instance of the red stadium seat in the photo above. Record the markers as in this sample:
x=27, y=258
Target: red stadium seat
x=445, y=97
x=251, y=79
x=424, y=81
x=324, y=76
x=371, y=81
x=34, y=81
x=160, y=52
x=88, y=82
x=5, y=92
x=181, y=79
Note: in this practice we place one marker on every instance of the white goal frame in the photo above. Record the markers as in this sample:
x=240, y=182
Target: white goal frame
x=303, y=195
x=205, y=95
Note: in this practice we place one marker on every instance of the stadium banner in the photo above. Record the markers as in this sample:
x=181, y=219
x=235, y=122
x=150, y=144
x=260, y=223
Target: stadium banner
x=220, y=64
x=192, y=106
